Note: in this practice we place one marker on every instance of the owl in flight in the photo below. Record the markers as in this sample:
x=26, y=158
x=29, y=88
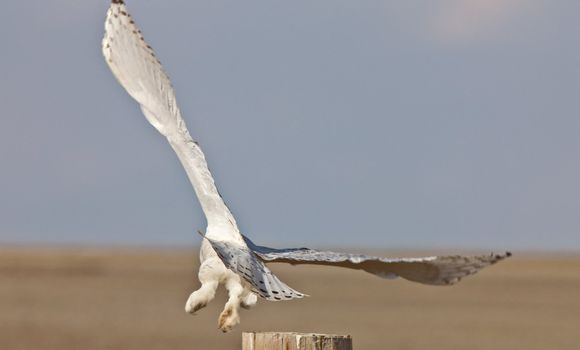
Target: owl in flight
x=228, y=257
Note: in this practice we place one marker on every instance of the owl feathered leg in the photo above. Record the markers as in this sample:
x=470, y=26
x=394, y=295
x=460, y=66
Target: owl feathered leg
x=209, y=275
x=230, y=316
x=240, y=294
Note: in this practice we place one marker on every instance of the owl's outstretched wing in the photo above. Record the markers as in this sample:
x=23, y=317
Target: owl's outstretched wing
x=138, y=70
x=434, y=270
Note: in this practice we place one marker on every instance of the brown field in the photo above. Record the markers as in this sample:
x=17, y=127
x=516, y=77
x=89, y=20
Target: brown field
x=133, y=299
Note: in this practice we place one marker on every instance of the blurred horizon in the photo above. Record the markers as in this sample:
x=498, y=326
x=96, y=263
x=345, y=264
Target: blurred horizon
x=370, y=124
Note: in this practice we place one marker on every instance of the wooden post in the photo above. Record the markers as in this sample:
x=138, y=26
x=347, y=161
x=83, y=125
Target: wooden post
x=294, y=341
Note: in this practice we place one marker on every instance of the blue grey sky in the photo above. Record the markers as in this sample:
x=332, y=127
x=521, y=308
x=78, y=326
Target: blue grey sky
x=387, y=124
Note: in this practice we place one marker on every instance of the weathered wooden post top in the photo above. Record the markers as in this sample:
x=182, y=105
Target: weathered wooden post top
x=294, y=341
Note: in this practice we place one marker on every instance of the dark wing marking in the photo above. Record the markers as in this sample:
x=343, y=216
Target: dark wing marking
x=246, y=264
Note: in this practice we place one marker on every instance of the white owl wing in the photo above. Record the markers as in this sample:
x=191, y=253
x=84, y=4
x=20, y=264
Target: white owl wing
x=138, y=70
x=434, y=270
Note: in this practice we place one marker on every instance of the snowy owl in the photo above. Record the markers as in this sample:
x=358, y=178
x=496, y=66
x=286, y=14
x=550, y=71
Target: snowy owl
x=228, y=257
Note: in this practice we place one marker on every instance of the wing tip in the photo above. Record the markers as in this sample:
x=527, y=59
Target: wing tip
x=500, y=257
x=120, y=2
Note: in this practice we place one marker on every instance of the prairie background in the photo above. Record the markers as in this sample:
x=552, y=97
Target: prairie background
x=128, y=298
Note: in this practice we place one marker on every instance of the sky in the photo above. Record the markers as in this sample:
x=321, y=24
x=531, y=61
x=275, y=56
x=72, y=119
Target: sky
x=386, y=124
